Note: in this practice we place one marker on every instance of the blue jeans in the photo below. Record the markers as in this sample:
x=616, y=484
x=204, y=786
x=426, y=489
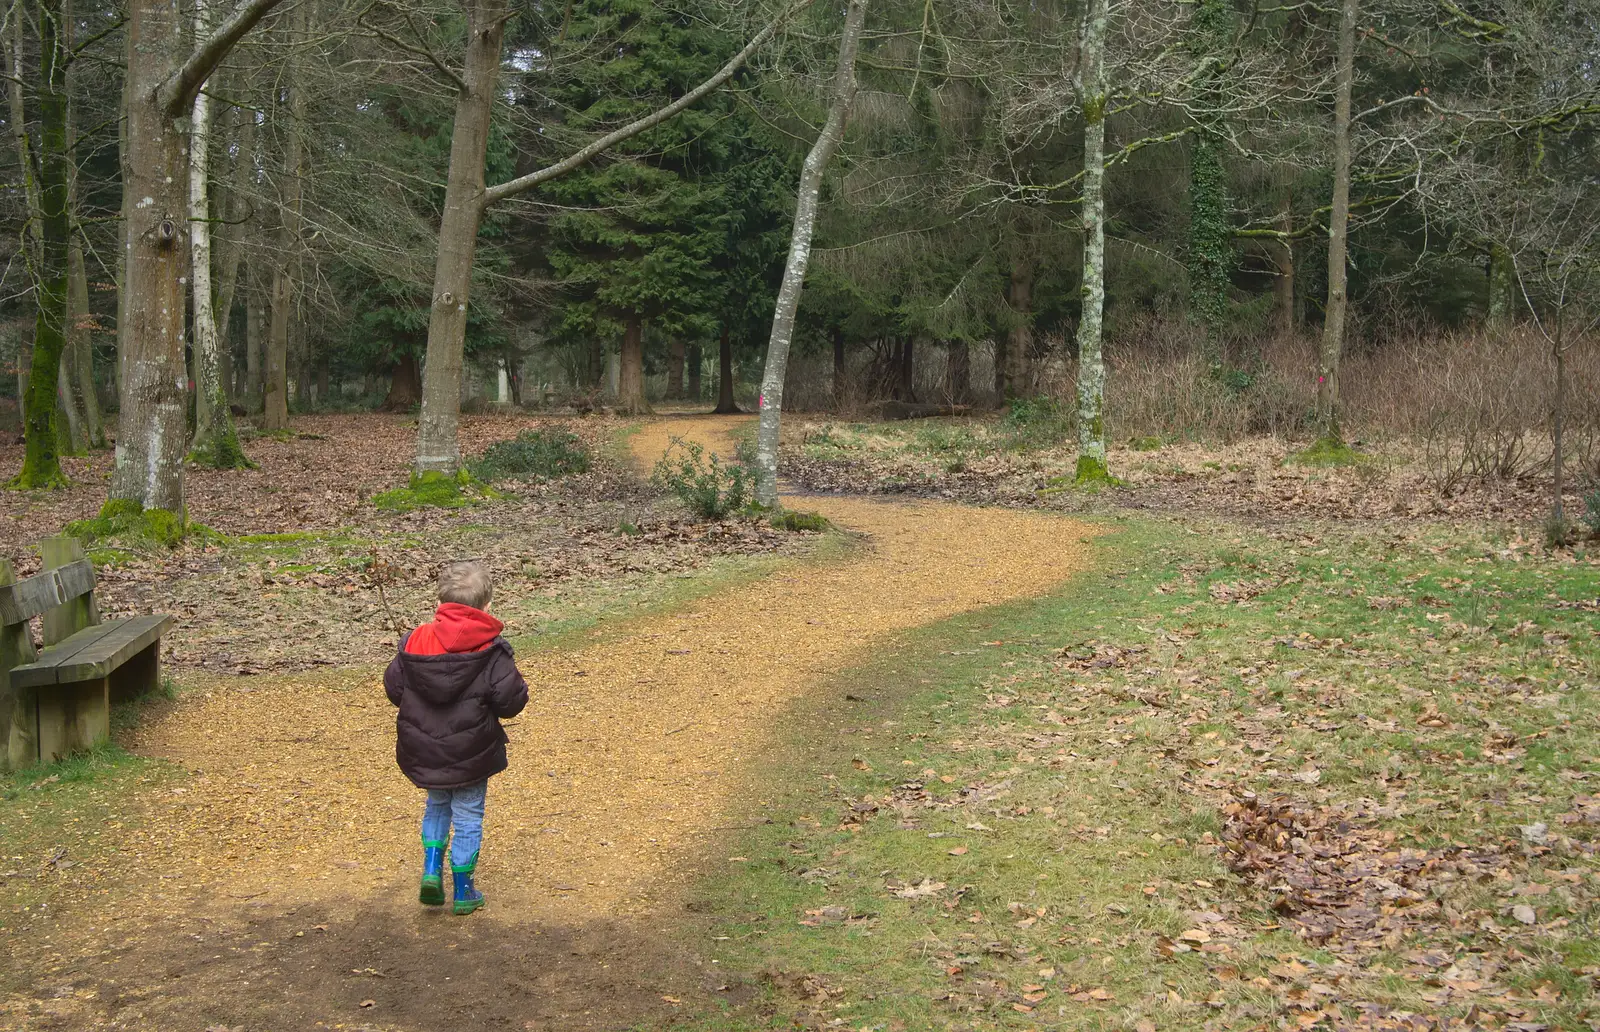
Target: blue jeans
x=462, y=807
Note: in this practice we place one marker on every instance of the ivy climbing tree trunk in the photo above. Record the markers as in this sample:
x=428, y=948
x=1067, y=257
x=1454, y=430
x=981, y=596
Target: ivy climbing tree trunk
x=216, y=443
x=794, y=270
x=1338, y=234
x=164, y=73
x=1092, y=92
x=1210, y=248
x=41, y=463
x=630, y=380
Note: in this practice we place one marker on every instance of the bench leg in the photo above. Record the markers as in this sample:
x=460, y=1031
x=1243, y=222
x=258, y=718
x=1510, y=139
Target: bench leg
x=139, y=676
x=19, y=719
x=73, y=717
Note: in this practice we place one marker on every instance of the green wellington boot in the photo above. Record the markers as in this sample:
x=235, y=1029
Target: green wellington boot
x=432, y=893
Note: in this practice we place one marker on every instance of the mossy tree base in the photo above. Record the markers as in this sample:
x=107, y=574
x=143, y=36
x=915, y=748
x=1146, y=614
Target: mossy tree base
x=437, y=490
x=1328, y=450
x=221, y=452
x=795, y=522
x=1092, y=474
x=125, y=520
x=48, y=479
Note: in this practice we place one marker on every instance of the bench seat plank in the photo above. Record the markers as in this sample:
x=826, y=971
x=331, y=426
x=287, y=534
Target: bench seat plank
x=93, y=652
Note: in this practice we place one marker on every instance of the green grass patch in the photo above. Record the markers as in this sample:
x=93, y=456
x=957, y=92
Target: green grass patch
x=1010, y=820
x=795, y=522
x=1328, y=451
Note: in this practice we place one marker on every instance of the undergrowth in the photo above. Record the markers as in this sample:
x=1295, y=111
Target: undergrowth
x=547, y=454
x=125, y=522
x=436, y=490
x=710, y=488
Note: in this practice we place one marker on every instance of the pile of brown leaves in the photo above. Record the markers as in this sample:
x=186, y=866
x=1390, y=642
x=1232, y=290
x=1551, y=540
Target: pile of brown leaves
x=1338, y=880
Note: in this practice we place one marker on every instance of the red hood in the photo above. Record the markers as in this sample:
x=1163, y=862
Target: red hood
x=455, y=628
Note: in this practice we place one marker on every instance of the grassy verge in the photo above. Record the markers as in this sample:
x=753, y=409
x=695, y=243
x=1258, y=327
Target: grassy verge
x=1251, y=781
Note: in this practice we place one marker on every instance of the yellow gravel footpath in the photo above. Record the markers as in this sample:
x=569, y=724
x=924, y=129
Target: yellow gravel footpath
x=632, y=751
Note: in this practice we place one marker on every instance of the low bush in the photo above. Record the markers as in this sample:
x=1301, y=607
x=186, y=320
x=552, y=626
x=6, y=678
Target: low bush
x=548, y=454
x=710, y=488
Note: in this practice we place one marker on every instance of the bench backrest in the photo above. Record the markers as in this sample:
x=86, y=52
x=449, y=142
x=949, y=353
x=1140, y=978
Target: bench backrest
x=63, y=593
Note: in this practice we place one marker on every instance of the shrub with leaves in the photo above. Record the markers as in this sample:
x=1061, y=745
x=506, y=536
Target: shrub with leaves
x=708, y=487
x=549, y=454
x=1042, y=422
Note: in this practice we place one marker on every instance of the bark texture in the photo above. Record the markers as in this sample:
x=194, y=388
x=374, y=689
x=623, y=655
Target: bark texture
x=630, y=370
x=1019, y=340
x=286, y=272
x=1338, y=232
x=794, y=271
x=725, y=403
x=163, y=77
x=1091, y=366
x=437, y=448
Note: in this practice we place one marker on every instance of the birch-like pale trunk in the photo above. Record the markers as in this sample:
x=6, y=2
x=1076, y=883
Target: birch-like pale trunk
x=1091, y=364
x=164, y=73
x=215, y=441
x=1338, y=233
x=466, y=197
x=770, y=404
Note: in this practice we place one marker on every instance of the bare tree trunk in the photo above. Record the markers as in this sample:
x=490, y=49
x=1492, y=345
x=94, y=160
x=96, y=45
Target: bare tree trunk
x=286, y=271
x=1283, y=258
x=838, y=366
x=405, y=385
x=725, y=403
x=958, y=370
x=80, y=343
x=1091, y=366
x=630, y=381
x=162, y=79
x=695, y=360
x=675, y=356
x=1558, y=422
x=1338, y=233
x=1000, y=338
x=41, y=463
x=1502, y=287
x=216, y=443
x=908, y=369
x=794, y=272
x=255, y=326
x=228, y=244
x=437, y=448
x=1019, y=347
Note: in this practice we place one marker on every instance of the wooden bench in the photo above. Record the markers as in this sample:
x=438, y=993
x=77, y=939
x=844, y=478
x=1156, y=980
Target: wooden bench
x=58, y=701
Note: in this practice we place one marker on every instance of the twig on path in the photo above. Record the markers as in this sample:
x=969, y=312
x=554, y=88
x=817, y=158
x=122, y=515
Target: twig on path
x=378, y=568
x=677, y=729
x=252, y=895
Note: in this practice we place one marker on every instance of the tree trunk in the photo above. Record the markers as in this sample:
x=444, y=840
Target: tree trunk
x=229, y=249
x=1210, y=247
x=81, y=340
x=695, y=360
x=1091, y=367
x=675, y=358
x=437, y=448
x=255, y=325
x=908, y=369
x=216, y=443
x=794, y=272
x=159, y=89
x=405, y=385
x=1502, y=287
x=1000, y=367
x=1558, y=422
x=1019, y=347
x=958, y=370
x=838, y=366
x=1283, y=258
x=1338, y=233
x=725, y=402
x=286, y=270
x=630, y=381
x=41, y=463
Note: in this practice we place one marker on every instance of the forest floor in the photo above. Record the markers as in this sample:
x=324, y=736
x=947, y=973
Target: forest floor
x=945, y=767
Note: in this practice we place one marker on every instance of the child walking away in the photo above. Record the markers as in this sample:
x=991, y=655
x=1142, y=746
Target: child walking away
x=454, y=680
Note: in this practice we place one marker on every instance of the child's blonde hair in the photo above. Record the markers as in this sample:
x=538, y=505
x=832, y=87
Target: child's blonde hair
x=466, y=583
